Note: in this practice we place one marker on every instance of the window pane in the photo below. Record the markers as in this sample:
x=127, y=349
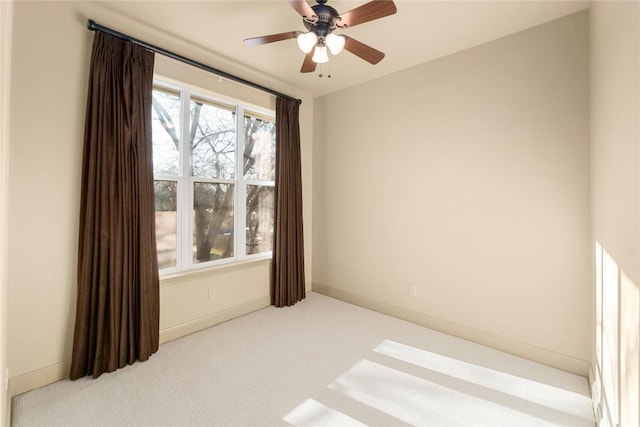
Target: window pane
x=166, y=132
x=259, y=219
x=259, y=148
x=212, y=221
x=166, y=223
x=213, y=139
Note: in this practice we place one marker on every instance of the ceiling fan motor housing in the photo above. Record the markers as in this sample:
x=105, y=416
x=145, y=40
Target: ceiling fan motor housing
x=326, y=21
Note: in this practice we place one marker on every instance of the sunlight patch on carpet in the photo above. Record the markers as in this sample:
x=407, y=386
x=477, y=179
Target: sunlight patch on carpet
x=415, y=400
x=513, y=385
x=313, y=413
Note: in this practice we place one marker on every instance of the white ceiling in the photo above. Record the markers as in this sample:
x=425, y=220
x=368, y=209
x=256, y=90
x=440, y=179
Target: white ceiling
x=420, y=31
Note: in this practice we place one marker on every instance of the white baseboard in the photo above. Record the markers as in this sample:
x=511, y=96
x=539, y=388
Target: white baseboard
x=187, y=328
x=7, y=407
x=38, y=378
x=595, y=394
x=527, y=351
x=59, y=371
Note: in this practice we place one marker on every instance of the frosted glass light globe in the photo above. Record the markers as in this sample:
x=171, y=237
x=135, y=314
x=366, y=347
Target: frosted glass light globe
x=320, y=56
x=334, y=43
x=306, y=41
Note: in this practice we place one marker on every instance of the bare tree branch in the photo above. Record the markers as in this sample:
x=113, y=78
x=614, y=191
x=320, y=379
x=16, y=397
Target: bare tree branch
x=166, y=121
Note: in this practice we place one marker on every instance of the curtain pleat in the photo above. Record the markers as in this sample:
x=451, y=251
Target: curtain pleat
x=117, y=313
x=288, y=246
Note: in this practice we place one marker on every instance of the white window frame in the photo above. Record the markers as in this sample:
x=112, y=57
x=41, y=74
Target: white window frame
x=185, y=182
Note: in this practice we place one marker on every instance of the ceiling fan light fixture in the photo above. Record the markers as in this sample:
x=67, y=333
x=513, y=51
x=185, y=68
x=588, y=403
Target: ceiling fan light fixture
x=320, y=56
x=335, y=43
x=320, y=20
x=306, y=41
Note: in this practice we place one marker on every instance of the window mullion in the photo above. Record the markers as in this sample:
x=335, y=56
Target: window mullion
x=186, y=186
x=260, y=182
x=241, y=193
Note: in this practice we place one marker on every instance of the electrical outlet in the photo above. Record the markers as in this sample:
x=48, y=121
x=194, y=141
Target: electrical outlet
x=413, y=289
x=212, y=292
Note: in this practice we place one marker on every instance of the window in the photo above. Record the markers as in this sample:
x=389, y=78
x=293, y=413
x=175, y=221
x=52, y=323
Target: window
x=214, y=172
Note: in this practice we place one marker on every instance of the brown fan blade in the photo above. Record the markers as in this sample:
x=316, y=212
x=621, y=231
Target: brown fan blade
x=362, y=50
x=303, y=8
x=255, y=41
x=308, y=66
x=367, y=12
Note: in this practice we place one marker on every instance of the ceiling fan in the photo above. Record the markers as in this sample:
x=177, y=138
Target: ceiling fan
x=321, y=20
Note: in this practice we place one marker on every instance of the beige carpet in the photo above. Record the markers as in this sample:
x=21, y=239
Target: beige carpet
x=322, y=362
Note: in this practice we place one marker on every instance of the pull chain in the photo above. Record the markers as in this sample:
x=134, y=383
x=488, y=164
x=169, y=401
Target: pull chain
x=322, y=70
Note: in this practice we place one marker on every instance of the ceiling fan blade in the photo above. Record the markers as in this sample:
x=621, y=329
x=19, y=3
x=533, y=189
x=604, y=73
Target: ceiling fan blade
x=303, y=8
x=367, y=12
x=362, y=50
x=308, y=66
x=255, y=41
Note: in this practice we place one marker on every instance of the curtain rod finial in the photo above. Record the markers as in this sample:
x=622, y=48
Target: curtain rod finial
x=91, y=24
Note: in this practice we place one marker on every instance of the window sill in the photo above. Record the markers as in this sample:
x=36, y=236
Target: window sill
x=179, y=277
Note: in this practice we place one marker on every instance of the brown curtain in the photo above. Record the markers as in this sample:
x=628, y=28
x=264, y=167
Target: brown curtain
x=288, y=243
x=117, y=314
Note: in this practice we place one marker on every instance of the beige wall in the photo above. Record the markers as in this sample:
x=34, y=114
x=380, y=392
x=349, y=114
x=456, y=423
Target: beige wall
x=615, y=176
x=5, y=48
x=50, y=62
x=467, y=177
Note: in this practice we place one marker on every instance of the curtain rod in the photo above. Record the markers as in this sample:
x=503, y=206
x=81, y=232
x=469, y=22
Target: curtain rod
x=93, y=26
